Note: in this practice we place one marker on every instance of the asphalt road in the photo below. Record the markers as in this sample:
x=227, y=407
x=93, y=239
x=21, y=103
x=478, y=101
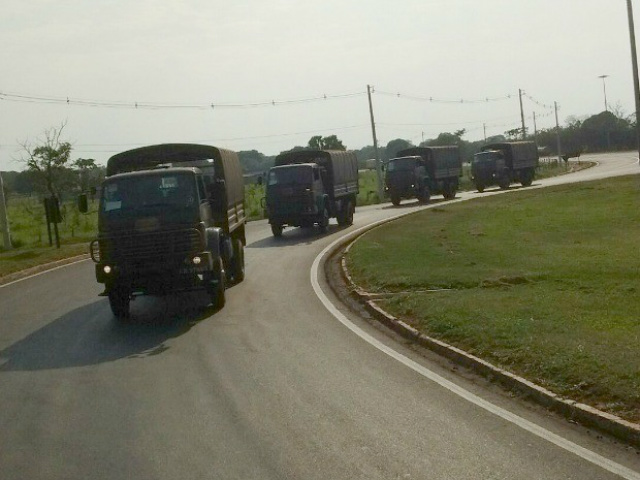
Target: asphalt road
x=274, y=386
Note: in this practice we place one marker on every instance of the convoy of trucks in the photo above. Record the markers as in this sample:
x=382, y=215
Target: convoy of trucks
x=171, y=218
x=503, y=163
x=307, y=187
x=423, y=171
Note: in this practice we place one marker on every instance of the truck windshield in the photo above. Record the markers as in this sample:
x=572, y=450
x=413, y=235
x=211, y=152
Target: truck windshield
x=396, y=164
x=154, y=194
x=485, y=157
x=294, y=174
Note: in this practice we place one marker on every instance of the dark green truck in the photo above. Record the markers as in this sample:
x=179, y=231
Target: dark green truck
x=420, y=172
x=171, y=218
x=504, y=163
x=308, y=187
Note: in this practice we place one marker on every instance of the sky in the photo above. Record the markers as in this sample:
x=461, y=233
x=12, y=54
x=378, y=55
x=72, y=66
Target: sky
x=268, y=75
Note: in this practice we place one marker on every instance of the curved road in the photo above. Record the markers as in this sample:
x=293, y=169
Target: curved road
x=272, y=387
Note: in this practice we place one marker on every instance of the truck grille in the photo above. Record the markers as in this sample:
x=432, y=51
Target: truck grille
x=156, y=246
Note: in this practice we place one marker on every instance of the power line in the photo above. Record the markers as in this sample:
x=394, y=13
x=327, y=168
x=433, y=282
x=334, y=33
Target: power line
x=440, y=100
x=43, y=99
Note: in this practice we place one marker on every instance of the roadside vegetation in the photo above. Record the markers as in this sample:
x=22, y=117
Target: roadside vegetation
x=31, y=241
x=544, y=283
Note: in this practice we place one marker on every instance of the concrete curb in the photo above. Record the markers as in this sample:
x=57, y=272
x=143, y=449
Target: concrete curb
x=14, y=277
x=572, y=410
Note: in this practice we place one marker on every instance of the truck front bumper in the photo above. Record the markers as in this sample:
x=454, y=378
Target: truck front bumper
x=158, y=276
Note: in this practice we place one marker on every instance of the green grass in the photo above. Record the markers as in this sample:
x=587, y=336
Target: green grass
x=30, y=238
x=545, y=283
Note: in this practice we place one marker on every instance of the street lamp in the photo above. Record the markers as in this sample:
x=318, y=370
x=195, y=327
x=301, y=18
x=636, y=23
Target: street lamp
x=634, y=63
x=604, y=86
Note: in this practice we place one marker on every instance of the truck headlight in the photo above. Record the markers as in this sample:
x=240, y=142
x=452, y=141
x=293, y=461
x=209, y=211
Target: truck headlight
x=106, y=269
x=196, y=260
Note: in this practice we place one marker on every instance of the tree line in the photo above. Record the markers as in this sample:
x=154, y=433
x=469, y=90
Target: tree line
x=50, y=170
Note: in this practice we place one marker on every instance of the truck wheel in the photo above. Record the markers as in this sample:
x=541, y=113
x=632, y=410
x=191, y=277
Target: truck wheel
x=452, y=188
x=217, y=292
x=276, y=230
x=504, y=181
x=345, y=216
x=480, y=187
x=424, y=195
x=526, y=178
x=395, y=200
x=350, y=211
x=238, y=263
x=324, y=220
x=119, y=300
x=341, y=217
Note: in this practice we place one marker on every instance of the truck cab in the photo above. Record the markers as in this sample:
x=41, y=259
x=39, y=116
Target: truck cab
x=405, y=177
x=296, y=196
x=484, y=168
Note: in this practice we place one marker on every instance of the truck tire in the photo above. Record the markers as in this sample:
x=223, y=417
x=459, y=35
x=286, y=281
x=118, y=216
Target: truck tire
x=345, y=215
x=217, y=291
x=480, y=187
x=505, y=180
x=526, y=178
x=341, y=216
x=238, y=262
x=323, y=223
x=350, y=211
x=276, y=230
x=425, y=195
x=119, y=300
x=449, y=191
x=395, y=200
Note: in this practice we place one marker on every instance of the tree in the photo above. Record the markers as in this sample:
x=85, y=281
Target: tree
x=316, y=142
x=394, y=146
x=514, y=134
x=254, y=161
x=331, y=142
x=89, y=175
x=49, y=160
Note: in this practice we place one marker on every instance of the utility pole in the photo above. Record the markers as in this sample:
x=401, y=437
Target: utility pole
x=484, y=127
x=375, y=147
x=555, y=105
x=535, y=127
x=524, y=131
x=634, y=61
x=4, y=219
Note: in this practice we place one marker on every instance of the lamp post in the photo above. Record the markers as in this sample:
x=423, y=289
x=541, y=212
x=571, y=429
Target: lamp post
x=604, y=87
x=634, y=62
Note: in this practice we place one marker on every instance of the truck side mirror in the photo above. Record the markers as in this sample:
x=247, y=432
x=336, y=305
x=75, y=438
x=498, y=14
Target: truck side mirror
x=83, y=204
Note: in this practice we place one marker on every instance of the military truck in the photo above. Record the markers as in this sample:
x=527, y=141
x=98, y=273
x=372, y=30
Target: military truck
x=423, y=171
x=308, y=187
x=171, y=219
x=503, y=163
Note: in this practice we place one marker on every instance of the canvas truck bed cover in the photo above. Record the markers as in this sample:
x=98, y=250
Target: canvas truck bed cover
x=518, y=154
x=341, y=167
x=441, y=161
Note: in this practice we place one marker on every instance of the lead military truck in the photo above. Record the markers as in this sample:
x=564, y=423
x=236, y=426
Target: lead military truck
x=171, y=219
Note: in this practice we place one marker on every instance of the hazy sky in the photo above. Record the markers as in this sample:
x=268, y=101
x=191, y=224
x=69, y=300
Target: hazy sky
x=182, y=56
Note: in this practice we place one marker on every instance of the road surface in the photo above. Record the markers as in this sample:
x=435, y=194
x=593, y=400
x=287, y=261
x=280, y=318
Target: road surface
x=274, y=386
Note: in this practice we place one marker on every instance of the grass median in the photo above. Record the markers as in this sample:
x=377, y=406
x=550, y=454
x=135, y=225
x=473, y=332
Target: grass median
x=544, y=283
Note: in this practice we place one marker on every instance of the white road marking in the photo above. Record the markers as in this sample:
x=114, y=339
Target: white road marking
x=530, y=427
x=43, y=272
